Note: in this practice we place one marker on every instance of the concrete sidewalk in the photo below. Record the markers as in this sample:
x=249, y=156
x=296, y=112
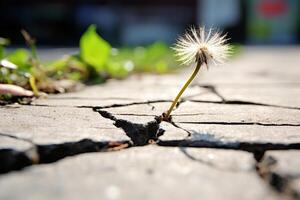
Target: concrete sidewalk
x=235, y=135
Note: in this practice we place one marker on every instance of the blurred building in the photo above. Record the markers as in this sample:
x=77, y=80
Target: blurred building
x=273, y=21
x=134, y=22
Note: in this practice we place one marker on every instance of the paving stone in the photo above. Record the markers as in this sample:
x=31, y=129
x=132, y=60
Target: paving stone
x=287, y=95
x=126, y=91
x=258, y=76
x=209, y=112
x=242, y=133
x=63, y=100
x=141, y=173
x=287, y=162
x=286, y=165
x=9, y=142
x=44, y=125
x=172, y=132
x=214, y=112
x=220, y=122
x=256, y=66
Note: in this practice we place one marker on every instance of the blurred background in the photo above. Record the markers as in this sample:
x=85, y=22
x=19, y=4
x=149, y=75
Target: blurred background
x=136, y=22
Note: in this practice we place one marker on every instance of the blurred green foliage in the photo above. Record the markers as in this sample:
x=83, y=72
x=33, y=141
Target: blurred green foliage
x=93, y=49
x=96, y=62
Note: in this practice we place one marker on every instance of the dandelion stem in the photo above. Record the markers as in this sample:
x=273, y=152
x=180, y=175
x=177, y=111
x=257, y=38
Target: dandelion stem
x=182, y=90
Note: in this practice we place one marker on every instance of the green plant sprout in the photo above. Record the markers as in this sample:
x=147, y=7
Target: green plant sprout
x=98, y=61
x=201, y=47
x=95, y=62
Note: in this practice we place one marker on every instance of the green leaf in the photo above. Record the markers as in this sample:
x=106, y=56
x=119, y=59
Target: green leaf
x=156, y=51
x=117, y=69
x=2, y=53
x=20, y=58
x=161, y=67
x=93, y=49
x=3, y=42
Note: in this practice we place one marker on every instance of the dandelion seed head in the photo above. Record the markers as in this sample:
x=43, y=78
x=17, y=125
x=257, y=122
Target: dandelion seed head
x=204, y=46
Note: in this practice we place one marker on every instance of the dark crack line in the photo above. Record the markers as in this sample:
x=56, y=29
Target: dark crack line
x=183, y=100
x=16, y=138
x=91, y=98
x=179, y=127
x=281, y=184
x=239, y=123
x=51, y=106
x=140, y=134
x=127, y=104
x=103, y=107
x=151, y=106
x=153, y=115
x=134, y=114
x=253, y=147
x=206, y=162
x=239, y=102
x=213, y=89
x=261, y=84
x=12, y=159
x=195, y=95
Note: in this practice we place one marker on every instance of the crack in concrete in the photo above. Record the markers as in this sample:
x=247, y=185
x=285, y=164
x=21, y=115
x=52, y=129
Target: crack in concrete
x=184, y=99
x=208, y=163
x=214, y=90
x=12, y=159
x=179, y=127
x=140, y=134
x=151, y=106
x=257, y=149
x=91, y=98
x=143, y=134
x=133, y=114
x=127, y=104
x=240, y=102
x=16, y=138
x=280, y=184
x=238, y=123
x=253, y=147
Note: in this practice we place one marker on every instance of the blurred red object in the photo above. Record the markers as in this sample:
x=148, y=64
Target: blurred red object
x=270, y=9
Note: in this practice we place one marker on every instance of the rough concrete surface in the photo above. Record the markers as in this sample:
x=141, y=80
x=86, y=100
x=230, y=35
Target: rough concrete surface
x=235, y=134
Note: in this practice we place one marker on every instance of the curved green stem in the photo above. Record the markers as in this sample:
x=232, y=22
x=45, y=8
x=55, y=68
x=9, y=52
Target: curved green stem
x=183, y=89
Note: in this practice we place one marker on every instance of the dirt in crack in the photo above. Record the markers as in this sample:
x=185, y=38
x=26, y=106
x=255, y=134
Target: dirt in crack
x=280, y=183
x=12, y=159
x=140, y=134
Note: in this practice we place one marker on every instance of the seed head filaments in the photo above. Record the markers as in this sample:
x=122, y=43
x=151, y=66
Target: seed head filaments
x=200, y=47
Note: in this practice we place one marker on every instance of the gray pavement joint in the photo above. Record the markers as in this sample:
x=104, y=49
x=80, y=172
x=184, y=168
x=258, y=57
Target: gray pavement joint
x=11, y=159
x=279, y=183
